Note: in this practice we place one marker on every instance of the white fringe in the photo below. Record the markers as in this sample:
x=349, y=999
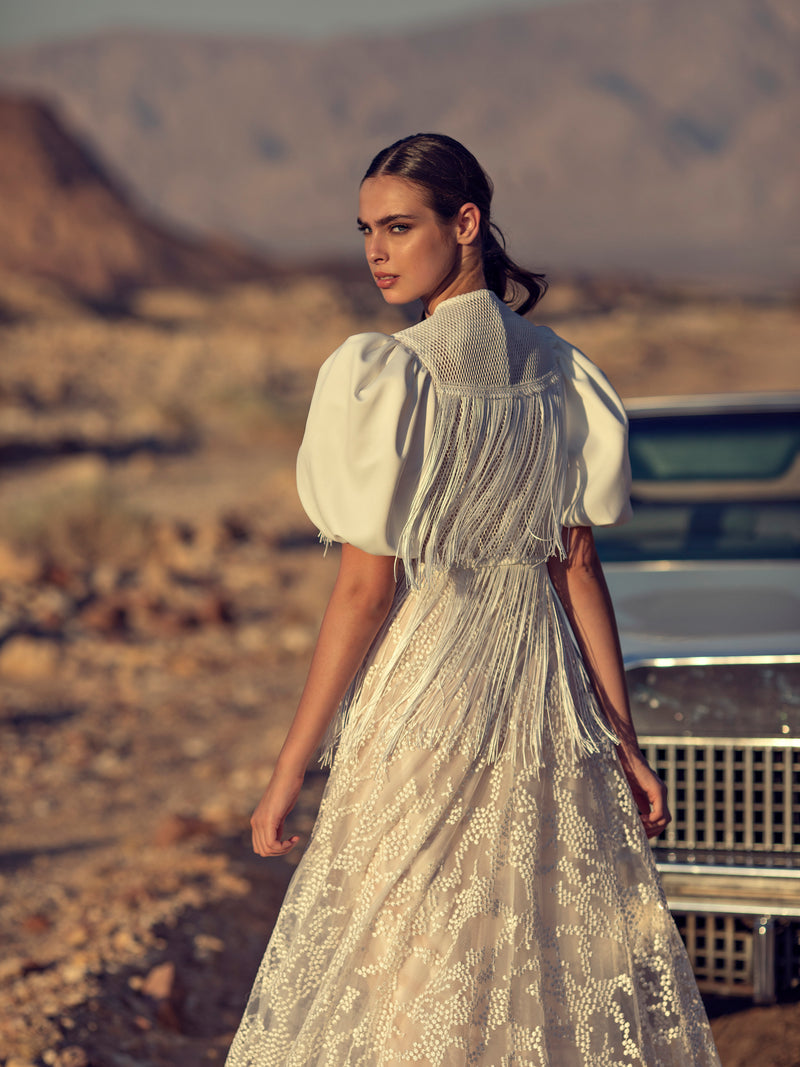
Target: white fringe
x=479, y=500
x=498, y=653
x=503, y=664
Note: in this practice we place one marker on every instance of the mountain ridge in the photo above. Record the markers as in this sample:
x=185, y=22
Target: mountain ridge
x=620, y=135
x=76, y=223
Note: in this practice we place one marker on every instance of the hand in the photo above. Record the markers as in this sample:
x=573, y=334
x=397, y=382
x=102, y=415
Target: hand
x=267, y=820
x=648, y=790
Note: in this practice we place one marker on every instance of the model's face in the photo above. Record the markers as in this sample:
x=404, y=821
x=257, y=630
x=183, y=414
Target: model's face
x=412, y=254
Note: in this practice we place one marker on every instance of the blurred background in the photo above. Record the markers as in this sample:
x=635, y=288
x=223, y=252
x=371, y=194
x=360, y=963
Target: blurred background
x=178, y=255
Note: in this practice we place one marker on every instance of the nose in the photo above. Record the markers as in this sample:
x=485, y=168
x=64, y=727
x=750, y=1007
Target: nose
x=376, y=253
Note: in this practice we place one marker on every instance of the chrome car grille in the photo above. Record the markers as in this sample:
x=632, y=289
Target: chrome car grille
x=725, y=737
x=721, y=950
x=738, y=797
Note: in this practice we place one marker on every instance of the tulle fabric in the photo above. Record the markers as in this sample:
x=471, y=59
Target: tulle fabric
x=455, y=910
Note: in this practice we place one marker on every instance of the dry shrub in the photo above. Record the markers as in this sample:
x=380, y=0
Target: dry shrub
x=79, y=526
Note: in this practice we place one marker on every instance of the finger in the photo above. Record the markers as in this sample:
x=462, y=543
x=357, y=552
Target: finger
x=656, y=793
x=655, y=831
x=267, y=843
x=655, y=826
x=653, y=810
x=282, y=849
x=658, y=810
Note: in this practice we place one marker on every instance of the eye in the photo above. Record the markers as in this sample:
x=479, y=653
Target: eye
x=400, y=227
x=363, y=228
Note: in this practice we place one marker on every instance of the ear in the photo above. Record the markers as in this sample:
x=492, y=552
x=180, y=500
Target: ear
x=468, y=224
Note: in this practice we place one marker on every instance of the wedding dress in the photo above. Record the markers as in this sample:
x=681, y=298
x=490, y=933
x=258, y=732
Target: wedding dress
x=478, y=888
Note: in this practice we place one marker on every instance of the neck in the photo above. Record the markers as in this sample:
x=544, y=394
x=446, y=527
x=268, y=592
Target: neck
x=466, y=281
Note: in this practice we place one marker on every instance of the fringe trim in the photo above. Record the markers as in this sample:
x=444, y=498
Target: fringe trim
x=483, y=651
x=492, y=483
x=503, y=663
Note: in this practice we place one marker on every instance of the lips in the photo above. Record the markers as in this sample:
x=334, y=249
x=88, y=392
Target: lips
x=384, y=281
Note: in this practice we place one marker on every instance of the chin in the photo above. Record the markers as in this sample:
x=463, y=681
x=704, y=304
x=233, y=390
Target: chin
x=391, y=296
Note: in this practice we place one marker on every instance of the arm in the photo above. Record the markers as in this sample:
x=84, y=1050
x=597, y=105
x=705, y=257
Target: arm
x=581, y=587
x=358, y=606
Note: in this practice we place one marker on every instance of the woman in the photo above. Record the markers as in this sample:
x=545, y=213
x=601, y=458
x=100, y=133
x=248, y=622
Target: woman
x=478, y=888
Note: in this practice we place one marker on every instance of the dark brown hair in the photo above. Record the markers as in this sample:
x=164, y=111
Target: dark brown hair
x=452, y=176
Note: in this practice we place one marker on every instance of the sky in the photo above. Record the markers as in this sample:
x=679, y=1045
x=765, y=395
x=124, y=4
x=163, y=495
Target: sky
x=27, y=21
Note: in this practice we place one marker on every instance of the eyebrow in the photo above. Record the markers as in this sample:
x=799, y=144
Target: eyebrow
x=387, y=220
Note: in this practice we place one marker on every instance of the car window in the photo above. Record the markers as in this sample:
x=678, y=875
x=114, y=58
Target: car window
x=724, y=446
x=711, y=487
x=704, y=531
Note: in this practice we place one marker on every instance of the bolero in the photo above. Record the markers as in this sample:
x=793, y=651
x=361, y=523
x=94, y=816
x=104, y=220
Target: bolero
x=380, y=404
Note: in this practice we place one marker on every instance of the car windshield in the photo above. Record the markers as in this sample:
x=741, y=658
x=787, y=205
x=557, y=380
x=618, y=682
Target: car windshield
x=711, y=487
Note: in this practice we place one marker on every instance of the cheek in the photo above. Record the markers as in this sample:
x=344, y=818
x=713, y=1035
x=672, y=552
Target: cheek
x=435, y=252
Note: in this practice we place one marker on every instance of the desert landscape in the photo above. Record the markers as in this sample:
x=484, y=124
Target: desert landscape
x=646, y=136
x=161, y=591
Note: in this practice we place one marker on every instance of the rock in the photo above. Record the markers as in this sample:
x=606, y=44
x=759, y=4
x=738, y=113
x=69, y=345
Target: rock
x=37, y=923
x=237, y=528
x=160, y=981
x=71, y=1056
x=29, y=658
x=124, y=941
x=185, y=666
x=177, y=828
x=108, y=615
x=195, y=747
x=63, y=576
x=161, y=986
x=77, y=936
x=252, y=637
x=105, y=578
x=20, y=568
x=296, y=639
x=213, y=608
x=49, y=607
x=108, y=764
x=87, y=470
x=207, y=946
x=12, y=967
x=210, y=537
x=75, y=968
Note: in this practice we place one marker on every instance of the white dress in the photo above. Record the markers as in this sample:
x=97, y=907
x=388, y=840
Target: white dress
x=478, y=888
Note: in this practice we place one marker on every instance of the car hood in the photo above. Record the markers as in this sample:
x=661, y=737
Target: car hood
x=679, y=609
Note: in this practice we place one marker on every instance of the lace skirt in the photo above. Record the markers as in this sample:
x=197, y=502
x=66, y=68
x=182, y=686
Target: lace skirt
x=454, y=910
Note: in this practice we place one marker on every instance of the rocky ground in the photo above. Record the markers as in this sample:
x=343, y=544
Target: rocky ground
x=160, y=592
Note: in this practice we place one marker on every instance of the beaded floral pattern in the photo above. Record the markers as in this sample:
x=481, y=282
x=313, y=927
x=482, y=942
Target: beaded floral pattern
x=454, y=910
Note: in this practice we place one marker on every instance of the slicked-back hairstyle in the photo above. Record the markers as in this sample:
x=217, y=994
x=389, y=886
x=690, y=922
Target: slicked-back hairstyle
x=451, y=176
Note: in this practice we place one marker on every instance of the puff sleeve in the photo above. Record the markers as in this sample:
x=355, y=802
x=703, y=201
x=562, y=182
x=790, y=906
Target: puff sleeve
x=598, y=478
x=368, y=426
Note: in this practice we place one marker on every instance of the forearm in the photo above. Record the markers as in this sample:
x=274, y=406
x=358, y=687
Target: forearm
x=355, y=613
x=581, y=587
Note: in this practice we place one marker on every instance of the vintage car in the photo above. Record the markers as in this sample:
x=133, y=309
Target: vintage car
x=706, y=585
